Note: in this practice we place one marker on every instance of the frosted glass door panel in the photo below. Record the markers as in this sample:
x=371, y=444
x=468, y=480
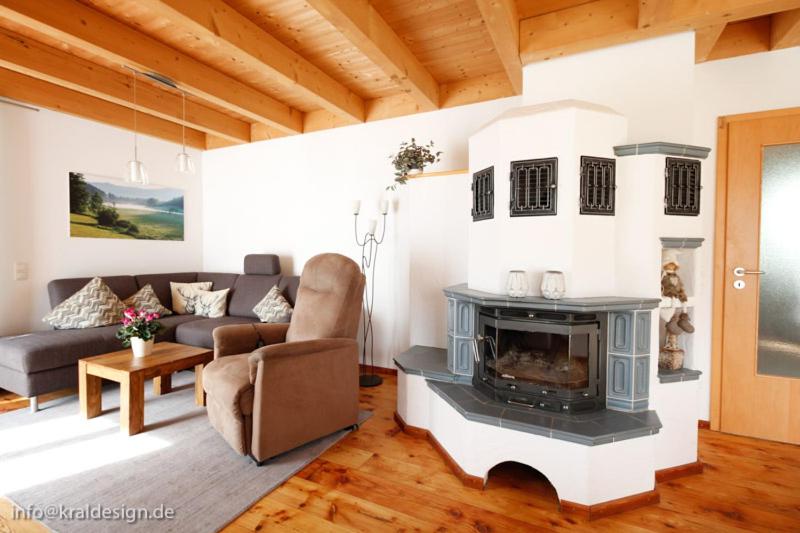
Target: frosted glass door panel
x=779, y=293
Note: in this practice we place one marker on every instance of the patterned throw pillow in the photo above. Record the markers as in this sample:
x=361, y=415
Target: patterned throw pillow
x=274, y=307
x=211, y=304
x=145, y=298
x=184, y=295
x=93, y=306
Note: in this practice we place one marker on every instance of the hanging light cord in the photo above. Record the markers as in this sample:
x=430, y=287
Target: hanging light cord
x=135, y=123
x=183, y=121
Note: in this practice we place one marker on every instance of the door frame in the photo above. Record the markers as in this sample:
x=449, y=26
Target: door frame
x=720, y=238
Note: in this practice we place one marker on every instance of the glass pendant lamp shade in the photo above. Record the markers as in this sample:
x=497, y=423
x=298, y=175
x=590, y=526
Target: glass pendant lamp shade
x=136, y=173
x=184, y=163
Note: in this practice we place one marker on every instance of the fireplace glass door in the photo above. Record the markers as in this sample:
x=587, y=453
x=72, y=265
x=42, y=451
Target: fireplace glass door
x=522, y=359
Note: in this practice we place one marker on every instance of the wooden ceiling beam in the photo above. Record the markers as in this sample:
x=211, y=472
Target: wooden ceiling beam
x=216, y=23
x=605, y=23
x=83, y=27
x=652, y=12
x=705, y=39
x=785, y=29
x=43, y=94
x=458, y=93
x=742, y=38
x=362, y=25
x=29, y=57
x=502, y=23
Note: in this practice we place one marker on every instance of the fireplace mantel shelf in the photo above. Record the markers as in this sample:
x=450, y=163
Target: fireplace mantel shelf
x=581, y=305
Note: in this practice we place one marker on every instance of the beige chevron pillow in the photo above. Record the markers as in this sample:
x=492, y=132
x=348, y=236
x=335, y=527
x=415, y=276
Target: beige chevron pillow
x=184, y=295
x=274, y=307
x=145, y=298
x=93, y=306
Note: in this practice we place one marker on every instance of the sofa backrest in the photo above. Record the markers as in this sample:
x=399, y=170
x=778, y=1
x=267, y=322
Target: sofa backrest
x=248, y=291
x=262, y=272
x=60, y=289
x=160, y=284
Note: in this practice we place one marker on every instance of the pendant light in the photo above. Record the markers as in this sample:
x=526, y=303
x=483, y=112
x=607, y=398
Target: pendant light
x=183, y=162
x=135, y=171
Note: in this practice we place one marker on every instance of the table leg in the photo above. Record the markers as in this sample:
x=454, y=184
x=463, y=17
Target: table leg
x=90, y=392
x=199, y=393
x=162, y=385
x=131, y=402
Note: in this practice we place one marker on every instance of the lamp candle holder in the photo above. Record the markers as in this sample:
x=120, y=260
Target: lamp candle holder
x=369, y=255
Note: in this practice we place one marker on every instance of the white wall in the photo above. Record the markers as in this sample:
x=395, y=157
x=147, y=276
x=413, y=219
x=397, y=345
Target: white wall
x=37, y=151
x=292, y=196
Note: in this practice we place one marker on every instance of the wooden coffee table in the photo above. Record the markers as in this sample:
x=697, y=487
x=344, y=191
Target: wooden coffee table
x=131, y=373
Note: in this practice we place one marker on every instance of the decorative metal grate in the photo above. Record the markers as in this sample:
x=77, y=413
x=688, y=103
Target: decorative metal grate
x=534, y=187
x=682, y=187
x=483, y=194
x=598, y=185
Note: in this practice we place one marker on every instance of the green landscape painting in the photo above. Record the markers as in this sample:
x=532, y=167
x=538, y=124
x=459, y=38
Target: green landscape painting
x=105, y=208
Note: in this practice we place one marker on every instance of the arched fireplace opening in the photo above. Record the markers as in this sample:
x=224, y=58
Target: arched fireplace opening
x=526, y=481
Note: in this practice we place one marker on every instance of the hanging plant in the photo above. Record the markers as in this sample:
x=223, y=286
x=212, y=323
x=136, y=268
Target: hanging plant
x=410, y=160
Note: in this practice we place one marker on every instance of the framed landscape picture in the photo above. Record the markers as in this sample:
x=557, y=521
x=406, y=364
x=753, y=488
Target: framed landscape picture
x=107, y=208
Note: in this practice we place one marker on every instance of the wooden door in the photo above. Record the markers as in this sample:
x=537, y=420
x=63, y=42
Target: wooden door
x=759, y=280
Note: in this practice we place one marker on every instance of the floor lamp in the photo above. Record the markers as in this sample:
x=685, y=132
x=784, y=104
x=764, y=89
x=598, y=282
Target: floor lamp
x=369, y=256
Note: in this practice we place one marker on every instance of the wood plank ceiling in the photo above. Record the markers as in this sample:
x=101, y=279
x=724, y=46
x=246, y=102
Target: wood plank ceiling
x=261, y=69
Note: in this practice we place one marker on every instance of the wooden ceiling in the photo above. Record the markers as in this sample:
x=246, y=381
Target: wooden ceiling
x=260, y=69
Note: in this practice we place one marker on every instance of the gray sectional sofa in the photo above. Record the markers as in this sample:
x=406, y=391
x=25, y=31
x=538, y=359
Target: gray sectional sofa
x=46, y=361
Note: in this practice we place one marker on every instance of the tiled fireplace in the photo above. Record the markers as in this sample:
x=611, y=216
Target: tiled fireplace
x=571, y=356
x=569, y=387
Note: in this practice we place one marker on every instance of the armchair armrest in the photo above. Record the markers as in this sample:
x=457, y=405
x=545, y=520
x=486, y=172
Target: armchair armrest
x=317, y=348
x=243, y=338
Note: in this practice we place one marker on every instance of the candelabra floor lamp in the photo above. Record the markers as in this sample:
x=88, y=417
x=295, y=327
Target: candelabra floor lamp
x=369, y=256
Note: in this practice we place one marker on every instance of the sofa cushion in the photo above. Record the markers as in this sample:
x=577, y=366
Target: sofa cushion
x=199, y=332
x=44, y=350
x=92, y=306
x=160, y=284
x=61, y=289
x=248, y=291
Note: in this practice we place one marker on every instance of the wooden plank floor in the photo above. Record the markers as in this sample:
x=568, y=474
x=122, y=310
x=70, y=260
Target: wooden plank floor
x=380, y=479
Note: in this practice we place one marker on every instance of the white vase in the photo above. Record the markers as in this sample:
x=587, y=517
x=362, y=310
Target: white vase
x=517, y=284
x=141, y=347
x=553, y=285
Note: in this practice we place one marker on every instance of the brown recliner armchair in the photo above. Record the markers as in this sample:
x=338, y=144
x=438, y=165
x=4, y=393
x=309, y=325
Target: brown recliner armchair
x=302, y=383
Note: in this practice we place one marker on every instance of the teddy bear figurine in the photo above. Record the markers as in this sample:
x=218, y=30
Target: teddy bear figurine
x=671, y=283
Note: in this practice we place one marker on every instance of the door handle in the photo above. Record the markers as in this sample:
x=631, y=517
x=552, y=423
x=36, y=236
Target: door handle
x=741, y=271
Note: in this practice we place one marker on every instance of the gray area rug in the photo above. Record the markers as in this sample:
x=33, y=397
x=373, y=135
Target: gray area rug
x=56, y=463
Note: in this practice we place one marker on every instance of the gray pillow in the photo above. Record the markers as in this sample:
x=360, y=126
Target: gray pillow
x=273, y=307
